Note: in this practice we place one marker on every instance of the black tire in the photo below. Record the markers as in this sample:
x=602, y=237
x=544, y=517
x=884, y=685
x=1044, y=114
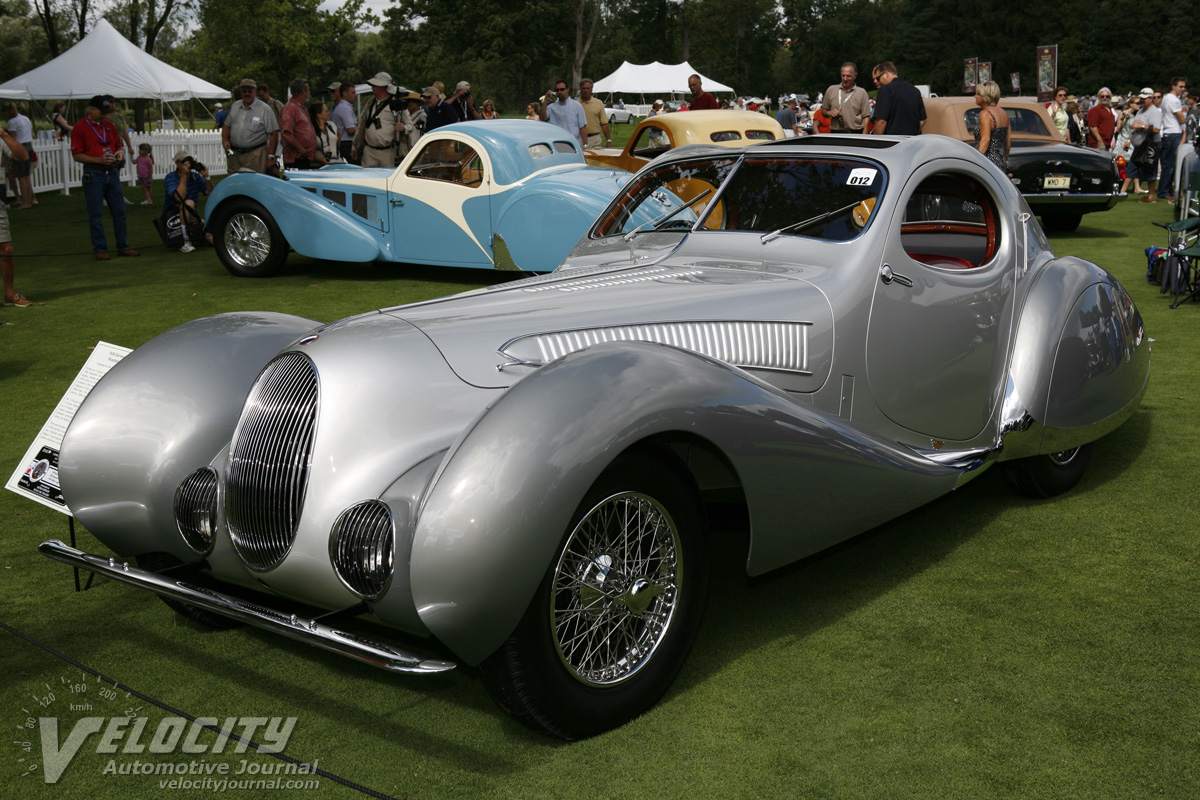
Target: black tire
x=1061, y=223
x=248, y=241
x=156, y=562
x=542, y=674
x=1048, y=475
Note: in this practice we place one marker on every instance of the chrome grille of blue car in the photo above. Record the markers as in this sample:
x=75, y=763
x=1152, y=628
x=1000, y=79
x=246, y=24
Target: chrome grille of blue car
x=269, y=461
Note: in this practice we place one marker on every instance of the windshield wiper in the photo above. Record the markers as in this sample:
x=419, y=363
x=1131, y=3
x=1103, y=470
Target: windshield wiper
x=668, y=215
x=766, y=237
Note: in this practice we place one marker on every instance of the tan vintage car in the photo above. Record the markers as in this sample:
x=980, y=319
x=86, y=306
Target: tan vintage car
x=1060, y=181
x=656, y=135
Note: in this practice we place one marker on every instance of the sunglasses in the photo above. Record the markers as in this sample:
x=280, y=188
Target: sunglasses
x=560, y=88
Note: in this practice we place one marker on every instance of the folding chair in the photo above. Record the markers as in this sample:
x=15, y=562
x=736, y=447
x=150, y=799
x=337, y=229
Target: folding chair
x=1185, y=282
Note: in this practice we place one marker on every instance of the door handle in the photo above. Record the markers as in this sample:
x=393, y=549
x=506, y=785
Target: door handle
x=887, y=275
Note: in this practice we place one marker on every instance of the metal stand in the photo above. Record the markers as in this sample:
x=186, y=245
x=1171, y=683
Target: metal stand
x=91, y=575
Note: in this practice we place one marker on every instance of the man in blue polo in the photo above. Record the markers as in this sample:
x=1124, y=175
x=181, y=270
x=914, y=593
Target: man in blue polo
x=559, y=109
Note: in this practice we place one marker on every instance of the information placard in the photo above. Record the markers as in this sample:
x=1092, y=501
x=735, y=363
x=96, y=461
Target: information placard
x=36, y=477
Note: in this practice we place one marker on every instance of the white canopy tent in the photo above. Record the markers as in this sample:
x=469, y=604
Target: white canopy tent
x=655, y=78
x=105, y=62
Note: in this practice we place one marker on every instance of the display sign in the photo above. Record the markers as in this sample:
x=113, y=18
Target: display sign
x=984, y=73
x=1047, y=72
x=970, y=75
x=1016, y=83
x=36, y=477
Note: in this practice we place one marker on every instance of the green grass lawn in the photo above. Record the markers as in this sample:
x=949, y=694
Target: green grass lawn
x=982, y=646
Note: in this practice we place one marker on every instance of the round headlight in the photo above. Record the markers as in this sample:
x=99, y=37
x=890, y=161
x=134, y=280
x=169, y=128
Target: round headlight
x=196, y=509
x=361, y=546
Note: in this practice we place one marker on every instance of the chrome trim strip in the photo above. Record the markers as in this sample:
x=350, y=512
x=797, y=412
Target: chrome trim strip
x=780, y=346
x=305, y=630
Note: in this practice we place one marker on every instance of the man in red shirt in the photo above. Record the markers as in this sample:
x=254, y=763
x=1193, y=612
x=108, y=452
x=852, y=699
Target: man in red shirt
x=299, y=137
x=1100, y=121
x=96, y=144
x=701, y=99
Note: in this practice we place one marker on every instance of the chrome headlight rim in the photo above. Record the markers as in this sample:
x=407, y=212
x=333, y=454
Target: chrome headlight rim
x=379, y=588
x=193, y=538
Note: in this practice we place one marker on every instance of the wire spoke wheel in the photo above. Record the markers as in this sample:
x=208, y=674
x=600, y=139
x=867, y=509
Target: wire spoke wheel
x=618, y=607
x=247, y=239
x=615, y=588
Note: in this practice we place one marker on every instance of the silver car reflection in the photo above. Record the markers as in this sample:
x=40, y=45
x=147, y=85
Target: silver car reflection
x=829, y=331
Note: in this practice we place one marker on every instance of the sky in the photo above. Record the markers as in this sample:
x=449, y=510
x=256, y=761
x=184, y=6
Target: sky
x=377, y=7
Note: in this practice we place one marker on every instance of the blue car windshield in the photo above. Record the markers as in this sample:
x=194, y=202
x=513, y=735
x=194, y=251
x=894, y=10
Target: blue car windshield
x=819, y=197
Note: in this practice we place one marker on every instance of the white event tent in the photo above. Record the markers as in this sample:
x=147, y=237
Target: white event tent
x=105, y=62
x=655, y=78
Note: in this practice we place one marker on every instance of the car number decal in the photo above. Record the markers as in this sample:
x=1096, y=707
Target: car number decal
x=861, y=176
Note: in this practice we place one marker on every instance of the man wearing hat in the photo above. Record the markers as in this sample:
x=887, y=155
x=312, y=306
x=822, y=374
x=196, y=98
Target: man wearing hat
x=437, y=111
x=413, y=120
x=463, y=103
x=375, y=138
x=96, y=144
x=343, y=117
x=219, y=118
x=250, y=133
x=184, y=187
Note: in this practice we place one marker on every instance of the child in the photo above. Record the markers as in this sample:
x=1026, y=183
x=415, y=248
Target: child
x=145, y=168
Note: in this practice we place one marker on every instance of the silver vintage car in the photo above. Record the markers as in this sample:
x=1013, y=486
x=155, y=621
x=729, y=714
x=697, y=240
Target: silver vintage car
x=829, y=331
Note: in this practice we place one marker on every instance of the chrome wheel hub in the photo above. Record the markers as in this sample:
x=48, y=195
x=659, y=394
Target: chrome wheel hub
x=1064, y=457
x=616, y=587
x=247, y=239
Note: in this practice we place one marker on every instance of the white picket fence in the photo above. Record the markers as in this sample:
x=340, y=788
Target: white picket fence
x=56, y=170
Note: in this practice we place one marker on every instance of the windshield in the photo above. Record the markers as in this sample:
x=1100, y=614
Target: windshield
x=818, y=197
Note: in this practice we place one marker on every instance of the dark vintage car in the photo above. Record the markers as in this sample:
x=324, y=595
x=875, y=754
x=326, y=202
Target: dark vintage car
x=1060, y=181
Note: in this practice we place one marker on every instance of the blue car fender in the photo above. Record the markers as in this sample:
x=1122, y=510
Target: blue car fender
x=312, y=225
x=501, y=502
x=166, y=409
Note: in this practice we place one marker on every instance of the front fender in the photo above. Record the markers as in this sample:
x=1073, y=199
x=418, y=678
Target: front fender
x=166, y=408
x=312, y=225
x=501, y=503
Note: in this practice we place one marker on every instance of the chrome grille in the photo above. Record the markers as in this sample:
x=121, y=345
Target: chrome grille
x=361, y=547
x=269, y=461
x=196, y=509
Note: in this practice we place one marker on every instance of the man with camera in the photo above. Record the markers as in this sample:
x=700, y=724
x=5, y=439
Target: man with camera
x=463, y=103
x=184, y=187
x=375, y=138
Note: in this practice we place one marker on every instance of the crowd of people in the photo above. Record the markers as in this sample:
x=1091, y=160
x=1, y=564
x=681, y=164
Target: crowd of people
x=262, y=134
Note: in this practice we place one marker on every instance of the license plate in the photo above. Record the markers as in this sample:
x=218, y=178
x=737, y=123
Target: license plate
x=1056, y=182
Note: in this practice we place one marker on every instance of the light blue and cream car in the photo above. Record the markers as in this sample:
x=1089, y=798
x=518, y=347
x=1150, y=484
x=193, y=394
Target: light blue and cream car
x=501, y=194
x=825, y=333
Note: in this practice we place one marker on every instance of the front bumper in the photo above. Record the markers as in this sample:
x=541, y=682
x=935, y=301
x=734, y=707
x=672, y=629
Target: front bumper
x=309, y=631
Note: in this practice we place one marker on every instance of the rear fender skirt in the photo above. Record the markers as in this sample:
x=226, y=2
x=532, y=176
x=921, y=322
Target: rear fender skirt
x=1080, y=364
x=501, y=501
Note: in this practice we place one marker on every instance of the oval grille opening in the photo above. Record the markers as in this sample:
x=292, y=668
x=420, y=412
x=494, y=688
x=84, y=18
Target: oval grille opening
x=269, y=461
x=361, y=548
x=196, y=509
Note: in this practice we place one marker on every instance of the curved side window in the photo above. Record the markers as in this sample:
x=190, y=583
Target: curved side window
x=950, y=222
x=651, y=142
x=448, y=160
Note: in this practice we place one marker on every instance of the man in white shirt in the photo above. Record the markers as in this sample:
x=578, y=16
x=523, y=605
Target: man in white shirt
x=1172, y=133
x=559, y=108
